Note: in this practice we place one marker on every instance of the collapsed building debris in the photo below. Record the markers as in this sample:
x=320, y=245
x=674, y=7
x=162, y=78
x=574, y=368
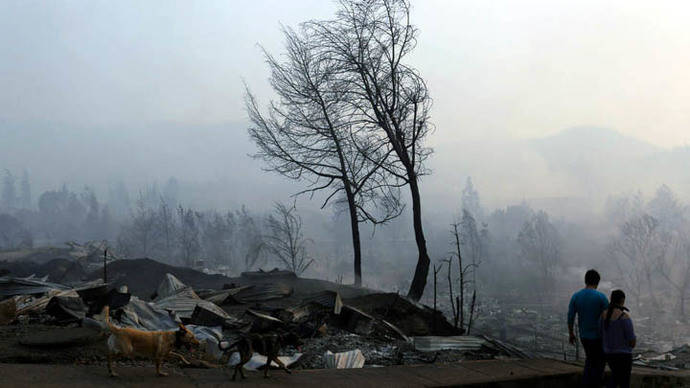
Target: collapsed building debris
x=66, y=308
x=341, y=326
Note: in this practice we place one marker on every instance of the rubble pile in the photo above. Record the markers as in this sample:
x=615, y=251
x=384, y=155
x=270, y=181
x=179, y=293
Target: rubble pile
x=340, y=326
x=678, y=358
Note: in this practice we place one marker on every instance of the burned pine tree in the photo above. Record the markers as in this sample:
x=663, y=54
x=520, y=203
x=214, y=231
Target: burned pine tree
x=369, y=40
x=309, y=135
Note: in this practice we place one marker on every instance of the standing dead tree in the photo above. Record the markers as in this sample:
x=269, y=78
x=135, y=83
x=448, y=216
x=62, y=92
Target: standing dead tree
x=454, y=301
x=636, y=251
x=188, y=235
x=142, y=237
x=541, y=245
x=674, y=267
x=370, y=40
x=286, y=240
x=309, y=135
x=464, y=269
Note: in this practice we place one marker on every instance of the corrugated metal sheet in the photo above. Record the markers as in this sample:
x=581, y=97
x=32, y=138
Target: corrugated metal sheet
x=221, y=297
x=345, y=360
x=11, y=286
x=330, y=299
x=434, y=343
x=171, y=286
x=144, y=315
x=508, y=349
x=184, y=306
x=262, y=293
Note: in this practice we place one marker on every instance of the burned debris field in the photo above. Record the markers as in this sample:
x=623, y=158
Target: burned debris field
x=45, y=322
x=369, y=193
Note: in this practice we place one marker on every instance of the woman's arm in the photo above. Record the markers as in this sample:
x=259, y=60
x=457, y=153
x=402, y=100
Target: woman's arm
x=629, y=331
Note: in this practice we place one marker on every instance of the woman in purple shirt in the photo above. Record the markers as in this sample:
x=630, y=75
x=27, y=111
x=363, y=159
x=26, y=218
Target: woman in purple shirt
x=619, y=339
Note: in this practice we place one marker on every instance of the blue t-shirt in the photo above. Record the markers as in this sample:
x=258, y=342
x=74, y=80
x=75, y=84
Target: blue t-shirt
x=588, y=304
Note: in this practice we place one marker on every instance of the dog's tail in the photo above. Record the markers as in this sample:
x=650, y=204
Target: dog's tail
x=108, y=325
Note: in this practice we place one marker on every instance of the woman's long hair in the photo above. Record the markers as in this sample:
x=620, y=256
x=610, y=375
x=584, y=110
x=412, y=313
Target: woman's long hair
x=617, y=298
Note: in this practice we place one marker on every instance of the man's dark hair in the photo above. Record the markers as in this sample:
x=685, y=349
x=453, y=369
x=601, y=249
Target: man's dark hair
x=592, y=278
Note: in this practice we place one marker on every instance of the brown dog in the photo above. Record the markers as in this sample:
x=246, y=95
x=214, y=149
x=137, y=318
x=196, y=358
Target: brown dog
x=265, y=344
x=125, y=341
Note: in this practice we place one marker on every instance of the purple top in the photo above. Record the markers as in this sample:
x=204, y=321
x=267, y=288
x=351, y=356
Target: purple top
x=618, y=335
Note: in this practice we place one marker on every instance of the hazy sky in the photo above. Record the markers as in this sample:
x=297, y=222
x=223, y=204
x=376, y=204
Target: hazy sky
x=519, y=68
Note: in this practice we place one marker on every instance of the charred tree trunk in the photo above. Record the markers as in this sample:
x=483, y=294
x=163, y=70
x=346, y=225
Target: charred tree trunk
x=469, y=324
x=461, y=304
x=435, y=281
x=356, y=242
x=422, y=270
x=450, y=292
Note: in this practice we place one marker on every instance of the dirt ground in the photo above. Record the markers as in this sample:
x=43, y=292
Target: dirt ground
x=532, y=373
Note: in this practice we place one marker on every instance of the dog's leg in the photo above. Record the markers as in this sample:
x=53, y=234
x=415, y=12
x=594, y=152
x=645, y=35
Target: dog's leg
x=110, y=365
x=268, y=366
x=239, y=367
x=280, y=363
x=160, y=373
x=245, y=359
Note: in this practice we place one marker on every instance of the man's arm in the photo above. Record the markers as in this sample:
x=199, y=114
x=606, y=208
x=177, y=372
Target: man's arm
x=604, y=302
x=571, y=320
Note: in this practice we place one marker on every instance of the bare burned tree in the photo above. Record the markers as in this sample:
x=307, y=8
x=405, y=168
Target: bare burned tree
x=674, y=266
x=464, y=269
x=636, y=251
x=369, y=40
x=472, y=242
x=188, y=235
x=541, y=245
x=286, y=240
x=309, y=135
x=141, y=238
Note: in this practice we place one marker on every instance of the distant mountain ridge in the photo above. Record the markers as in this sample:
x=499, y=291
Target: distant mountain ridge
x=604, y=160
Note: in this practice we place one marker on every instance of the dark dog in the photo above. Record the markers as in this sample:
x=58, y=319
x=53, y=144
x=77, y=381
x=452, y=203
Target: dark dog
x=265, y=344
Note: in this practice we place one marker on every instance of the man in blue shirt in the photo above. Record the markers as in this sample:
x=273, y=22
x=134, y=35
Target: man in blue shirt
x=588, y=304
